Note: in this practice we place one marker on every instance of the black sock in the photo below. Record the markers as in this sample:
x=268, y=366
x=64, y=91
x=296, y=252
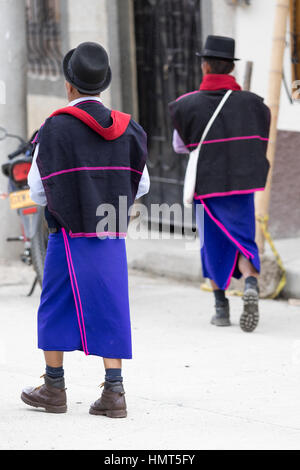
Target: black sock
x=54, y=372
x=113, y=375
x=251, y=281
x=219, y=295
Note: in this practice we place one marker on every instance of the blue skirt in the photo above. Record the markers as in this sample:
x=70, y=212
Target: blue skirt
x=227, y=232
x=84, y=302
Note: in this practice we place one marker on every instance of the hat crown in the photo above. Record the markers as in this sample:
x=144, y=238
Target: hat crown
x=221, y=44
x=221, y=47
x=89, y=63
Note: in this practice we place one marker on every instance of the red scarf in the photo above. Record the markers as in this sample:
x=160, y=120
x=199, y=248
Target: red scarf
x=214, y=81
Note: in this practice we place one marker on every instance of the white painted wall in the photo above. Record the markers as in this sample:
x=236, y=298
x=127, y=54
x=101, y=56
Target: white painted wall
x=253, y=33
x=252, y=27
x=223, y=17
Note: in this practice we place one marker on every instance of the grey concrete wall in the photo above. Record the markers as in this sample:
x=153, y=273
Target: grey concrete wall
x=127, y=48
x=13, y=116
x=207, y=20
x=95, y=20
x=88, y=21
x=114, y=52
x=45, y=95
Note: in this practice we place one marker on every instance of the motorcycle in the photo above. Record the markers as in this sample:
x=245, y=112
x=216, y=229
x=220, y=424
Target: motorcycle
x=34, y=230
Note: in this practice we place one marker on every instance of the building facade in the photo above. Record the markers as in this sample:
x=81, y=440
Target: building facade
x=152, y=45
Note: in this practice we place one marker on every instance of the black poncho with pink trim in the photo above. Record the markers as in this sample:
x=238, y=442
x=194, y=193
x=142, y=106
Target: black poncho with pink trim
x=232, y=159
x=88, y=156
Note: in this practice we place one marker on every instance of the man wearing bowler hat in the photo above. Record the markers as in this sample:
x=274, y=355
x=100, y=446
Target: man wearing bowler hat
x=226, y=130
x=86, y=157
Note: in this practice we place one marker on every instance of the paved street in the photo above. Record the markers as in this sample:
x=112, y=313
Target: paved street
x=190, y=386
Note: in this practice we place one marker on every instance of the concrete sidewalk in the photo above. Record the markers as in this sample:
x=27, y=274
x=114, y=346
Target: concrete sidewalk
x=180, y=259
x=190, y=385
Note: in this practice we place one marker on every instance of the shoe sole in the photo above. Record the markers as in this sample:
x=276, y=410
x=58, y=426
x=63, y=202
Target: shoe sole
x=250, y=316
x=221, y=322
x=48, y=409
x=109, y=413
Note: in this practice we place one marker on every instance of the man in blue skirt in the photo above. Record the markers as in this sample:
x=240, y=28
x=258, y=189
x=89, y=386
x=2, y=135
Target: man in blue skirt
x=86, y=158
x=231, y=167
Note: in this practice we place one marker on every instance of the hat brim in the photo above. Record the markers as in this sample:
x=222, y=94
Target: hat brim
x=104, y=85
x=215, y=56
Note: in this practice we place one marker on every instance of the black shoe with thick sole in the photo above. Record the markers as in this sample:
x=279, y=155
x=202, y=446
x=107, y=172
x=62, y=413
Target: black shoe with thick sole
x=222, y=316
x=250, y=316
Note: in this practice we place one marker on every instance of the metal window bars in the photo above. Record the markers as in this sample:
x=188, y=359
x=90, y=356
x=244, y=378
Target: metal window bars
x=44, y=38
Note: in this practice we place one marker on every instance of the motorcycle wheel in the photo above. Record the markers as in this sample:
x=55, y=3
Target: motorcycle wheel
x=39, y=247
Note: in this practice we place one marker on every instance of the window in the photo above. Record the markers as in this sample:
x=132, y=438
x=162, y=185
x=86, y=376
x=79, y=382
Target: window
x=44, y=38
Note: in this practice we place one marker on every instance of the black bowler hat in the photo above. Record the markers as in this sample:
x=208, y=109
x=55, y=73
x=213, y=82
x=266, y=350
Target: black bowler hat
x=219, y=47
x=87, y=68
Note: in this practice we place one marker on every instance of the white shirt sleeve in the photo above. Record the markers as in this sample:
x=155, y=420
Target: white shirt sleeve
x=144, y=185
x=37, y=192
x=178, y=144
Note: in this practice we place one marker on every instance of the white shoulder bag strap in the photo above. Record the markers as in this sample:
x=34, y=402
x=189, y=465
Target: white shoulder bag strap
x=191, y=171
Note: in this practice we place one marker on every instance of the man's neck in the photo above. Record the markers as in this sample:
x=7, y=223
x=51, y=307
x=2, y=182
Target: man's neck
x=78, y=96
x=85, y=98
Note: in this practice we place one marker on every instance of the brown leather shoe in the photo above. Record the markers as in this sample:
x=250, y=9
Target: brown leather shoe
x=112, y=402
x=47, y=396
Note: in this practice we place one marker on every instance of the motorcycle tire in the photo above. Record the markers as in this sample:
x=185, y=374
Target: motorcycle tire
x=39, y=247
